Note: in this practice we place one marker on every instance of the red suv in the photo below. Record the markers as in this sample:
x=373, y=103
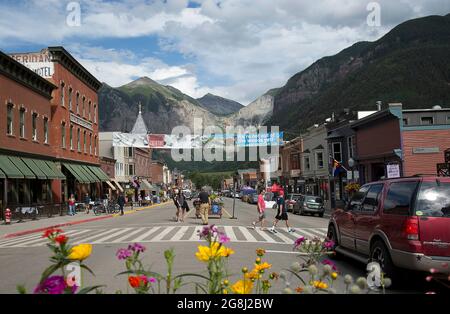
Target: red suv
x=402, y=223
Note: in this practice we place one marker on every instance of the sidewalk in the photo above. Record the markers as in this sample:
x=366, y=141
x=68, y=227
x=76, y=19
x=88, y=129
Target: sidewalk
x=34, y=226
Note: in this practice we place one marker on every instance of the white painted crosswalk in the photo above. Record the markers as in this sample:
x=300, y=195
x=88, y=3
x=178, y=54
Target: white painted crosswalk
x=166, y=233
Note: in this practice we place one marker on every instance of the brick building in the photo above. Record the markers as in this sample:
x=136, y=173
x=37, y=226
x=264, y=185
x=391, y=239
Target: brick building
x=27, y=169
x=73, y=121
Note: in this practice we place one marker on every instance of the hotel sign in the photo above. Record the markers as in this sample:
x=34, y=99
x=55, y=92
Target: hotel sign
x=80, y=121
x=39, y=62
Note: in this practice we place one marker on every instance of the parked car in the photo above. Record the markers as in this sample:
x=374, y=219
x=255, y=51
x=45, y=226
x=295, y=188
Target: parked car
x=309, y=204
x=253, y=198
x=399, y=223
x=291, y=200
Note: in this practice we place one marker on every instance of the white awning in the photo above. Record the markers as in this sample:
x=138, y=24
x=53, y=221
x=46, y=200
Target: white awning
x=145, y=185
x=118, y=185
x=111, y=185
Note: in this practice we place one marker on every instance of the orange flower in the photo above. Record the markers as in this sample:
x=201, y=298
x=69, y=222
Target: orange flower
x=134, y=281
x=299, y=290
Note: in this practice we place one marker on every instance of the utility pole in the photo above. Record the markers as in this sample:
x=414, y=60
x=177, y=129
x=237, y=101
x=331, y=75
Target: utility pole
x=234, y=195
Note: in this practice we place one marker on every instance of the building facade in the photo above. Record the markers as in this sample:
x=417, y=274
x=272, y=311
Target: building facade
x=73, y=130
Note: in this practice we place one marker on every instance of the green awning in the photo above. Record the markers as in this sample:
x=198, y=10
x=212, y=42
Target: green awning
x=81, y=173
x=2, y=175
x=59, y=175
x=38, y=171
x=10, y=170
x=75, y=172
x=89, y=173
x=99, y=173
x=43, y=165
x=22, y=167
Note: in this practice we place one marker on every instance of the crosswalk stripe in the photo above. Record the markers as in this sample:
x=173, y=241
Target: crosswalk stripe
x=319, y=233
x=180, y=233
x=19, y=239
x=266, y=237
x=283, y=238
x=89, y=238
x=194, y=236
x=248, y=236
x=111, y=236
x=41, y=239
x=72, y=233
x=162, y=234
x=146, y=234
x=128, y=235
x=304, y=233
x=230, y=233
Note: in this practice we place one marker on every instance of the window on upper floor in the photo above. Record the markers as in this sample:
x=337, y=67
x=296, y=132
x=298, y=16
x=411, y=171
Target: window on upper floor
x=79, y=140
x=46, y=130
x=77, y=102
x=405, y=121
x=62, y=94
x=22, y=122
x=89, y=110
x=351, y=146
x=337, y=151
x=9, y=119
x=319, y=160
x=95, y=113
x=34, y=126
x=70, y=98
x=84, y=106
x=295, y=161
x=90, y=144
x=306, y=163
x=84, y=142
x=63, y=135
x=426, y=120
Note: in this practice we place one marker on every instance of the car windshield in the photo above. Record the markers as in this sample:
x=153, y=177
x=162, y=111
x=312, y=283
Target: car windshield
x=314, y=199
x=433, y=199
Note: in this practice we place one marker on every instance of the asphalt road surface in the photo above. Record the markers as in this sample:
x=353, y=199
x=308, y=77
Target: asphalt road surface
x=24, y=258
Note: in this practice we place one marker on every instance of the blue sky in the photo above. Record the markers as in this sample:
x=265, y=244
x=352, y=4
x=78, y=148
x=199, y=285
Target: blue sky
x=237, y=49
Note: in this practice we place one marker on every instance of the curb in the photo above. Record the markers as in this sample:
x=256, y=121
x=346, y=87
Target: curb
x=67, y=224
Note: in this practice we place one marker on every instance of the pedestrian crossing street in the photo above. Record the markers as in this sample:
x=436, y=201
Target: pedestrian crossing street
x=166, y=234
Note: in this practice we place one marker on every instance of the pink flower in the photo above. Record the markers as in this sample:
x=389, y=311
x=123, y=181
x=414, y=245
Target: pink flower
x=223, y=239
x=429, y=278
x=433, y=270
x=299, y=242
x=151, y=280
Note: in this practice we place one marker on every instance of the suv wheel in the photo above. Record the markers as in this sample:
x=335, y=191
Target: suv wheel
x=380, y=254
x=332, y=235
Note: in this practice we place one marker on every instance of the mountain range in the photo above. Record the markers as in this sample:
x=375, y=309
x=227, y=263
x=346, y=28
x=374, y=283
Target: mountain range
x=410, y=64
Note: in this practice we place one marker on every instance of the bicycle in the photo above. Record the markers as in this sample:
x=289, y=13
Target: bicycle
x=98, y=208
x=113, y=208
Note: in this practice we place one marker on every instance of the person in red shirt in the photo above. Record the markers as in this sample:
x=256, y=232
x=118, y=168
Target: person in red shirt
x=261, y=207
x=72, y=205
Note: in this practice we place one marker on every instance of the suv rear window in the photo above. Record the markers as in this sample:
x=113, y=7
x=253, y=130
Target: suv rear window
x=433, y=199
x=399, y=198
x=314, y=199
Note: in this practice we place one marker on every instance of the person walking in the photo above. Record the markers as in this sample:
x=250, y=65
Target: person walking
x=205, y=203
x=181, y=199
x=72, y=205
x=261, y=207
x=281, y=214
x=87, y=203
x=121, y=203
x=177, y=205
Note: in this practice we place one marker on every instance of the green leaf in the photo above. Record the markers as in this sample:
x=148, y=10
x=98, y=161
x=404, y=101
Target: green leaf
x=50, y=270
x=193, y=275
x=88, y=269
x=296, y=275
x=89, y=289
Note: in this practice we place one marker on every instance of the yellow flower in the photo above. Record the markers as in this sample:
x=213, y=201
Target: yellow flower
x=227, y=252
x=258, y=260
x=263, y=266
x=214, y=251
x=242, y=287
x=320, y=285
x=224, y=291
x=334, y=275
x=253, y=275
x=260, y=252
x=80, y=252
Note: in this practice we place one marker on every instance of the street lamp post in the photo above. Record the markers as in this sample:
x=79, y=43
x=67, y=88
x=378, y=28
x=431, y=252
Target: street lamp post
x=234, y=194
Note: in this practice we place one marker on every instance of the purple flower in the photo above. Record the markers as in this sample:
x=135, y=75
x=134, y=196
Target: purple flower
x=328, y=262
x=223, y=239
x=328, y=244
x=136, y=247
x=123, y=254
x=151, y=279
x=53, y=285
x=299, y=242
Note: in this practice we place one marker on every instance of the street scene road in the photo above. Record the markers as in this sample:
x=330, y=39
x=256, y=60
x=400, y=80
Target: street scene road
x=24, y=257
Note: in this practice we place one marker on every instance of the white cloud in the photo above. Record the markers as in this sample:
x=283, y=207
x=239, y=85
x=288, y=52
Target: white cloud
x=247, y=46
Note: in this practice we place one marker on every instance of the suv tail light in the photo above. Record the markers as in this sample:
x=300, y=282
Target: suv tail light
x=411, y=228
